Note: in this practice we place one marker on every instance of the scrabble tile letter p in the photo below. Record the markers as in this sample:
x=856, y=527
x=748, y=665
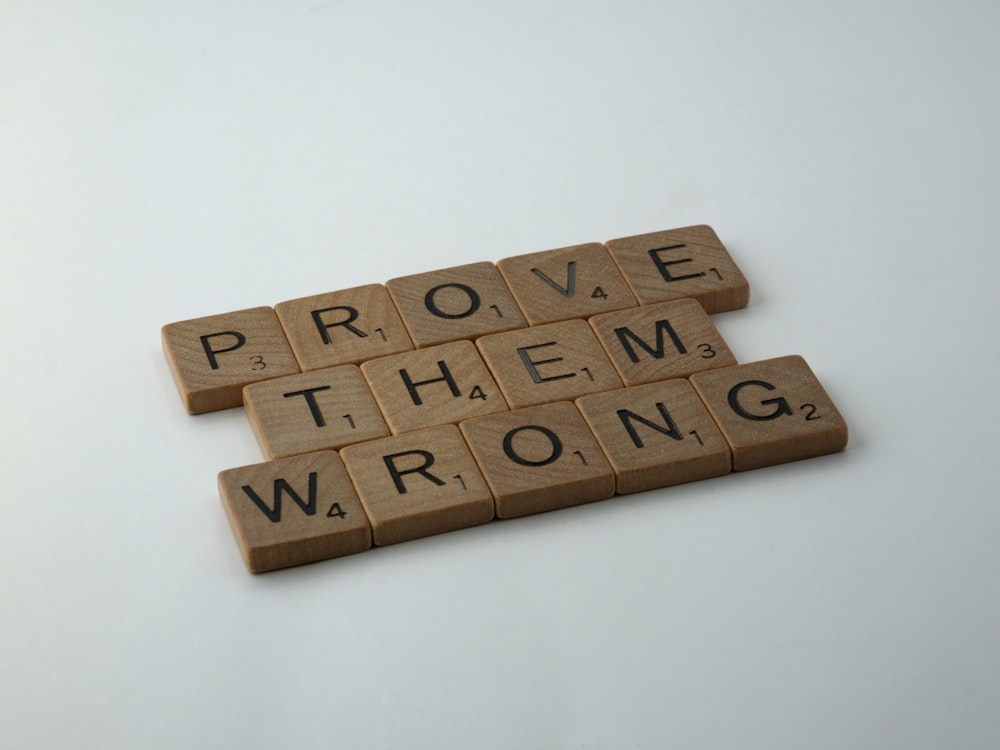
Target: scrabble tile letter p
x=213, y=358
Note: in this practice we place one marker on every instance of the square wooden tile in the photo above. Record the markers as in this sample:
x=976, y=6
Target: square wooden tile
x=685, y=262
x=313, y=411
x=214, y=357
x=294, y=511
x=539, y=459
x=455, y=303
x=553, y=362
x=343, y=327
x=661, y=341
x=772, y=411
x=419, y=484
x=438, y=385
x=568, y=282
x=656, y=435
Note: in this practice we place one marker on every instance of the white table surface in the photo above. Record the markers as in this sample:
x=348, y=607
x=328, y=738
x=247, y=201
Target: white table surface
x=161, y=161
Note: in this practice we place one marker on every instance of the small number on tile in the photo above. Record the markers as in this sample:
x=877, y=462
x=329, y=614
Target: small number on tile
x=336, y=511
x=810, y=410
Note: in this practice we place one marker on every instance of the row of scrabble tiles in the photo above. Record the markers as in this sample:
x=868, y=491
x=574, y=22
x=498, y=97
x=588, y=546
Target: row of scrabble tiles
x=435, y=365
x=213, y=358
x=327, y=504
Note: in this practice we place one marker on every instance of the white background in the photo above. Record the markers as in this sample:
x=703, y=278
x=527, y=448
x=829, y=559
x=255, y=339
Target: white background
x=162, y=161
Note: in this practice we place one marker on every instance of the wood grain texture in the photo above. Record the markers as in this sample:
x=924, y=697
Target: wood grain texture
x=455, y=303
x=685, y=262
x=294, y=511
x=312, y=411
x=543, y=364
x=348, y=326
x=656, y=435
x=661, y=341
x=438, y=385
x=214, y=357
x=419, y=484
x=539, y=459
x=568, y=282
x=772, y=412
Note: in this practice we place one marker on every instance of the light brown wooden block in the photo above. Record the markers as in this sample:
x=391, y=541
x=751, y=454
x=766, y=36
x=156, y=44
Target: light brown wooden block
x=539, y=459
x=662, y=341
x=543, y=364
x=348, y=326
x=656, y=435
x=214, y=357
x=438, y=385
x=772, y=412
x=455, y=303
x=312, y=411
x=294, y=511
x=418, y=484
x=569, y=282
x=677, y=263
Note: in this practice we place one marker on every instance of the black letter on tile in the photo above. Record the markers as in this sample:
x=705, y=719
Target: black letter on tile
x=532, y=365
x=570, y=289
x=624, y=334
x=508, y=446
x=670, y=430
x=662, y=265
x=210, y=352
x=780, y=405
x=322, y=327
x=412, y=387
x=474, y=301
x=317, y=415
x=281, y=486
x=397, y=475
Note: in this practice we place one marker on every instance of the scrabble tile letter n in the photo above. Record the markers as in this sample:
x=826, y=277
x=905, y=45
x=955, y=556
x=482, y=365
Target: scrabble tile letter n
x=213, y=358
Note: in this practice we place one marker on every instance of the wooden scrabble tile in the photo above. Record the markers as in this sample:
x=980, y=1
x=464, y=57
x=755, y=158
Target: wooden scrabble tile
x=656, y=435
x=569, y=282
x=661, y=341
x=685, y=262
x=312, y=411
x=539, y=459
x=294, y=511
x=343, y=327
x=772, y=411
x=437, y=385
x=418, y=484
x=213, y=358
x=553, y=362
x=455, y=303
